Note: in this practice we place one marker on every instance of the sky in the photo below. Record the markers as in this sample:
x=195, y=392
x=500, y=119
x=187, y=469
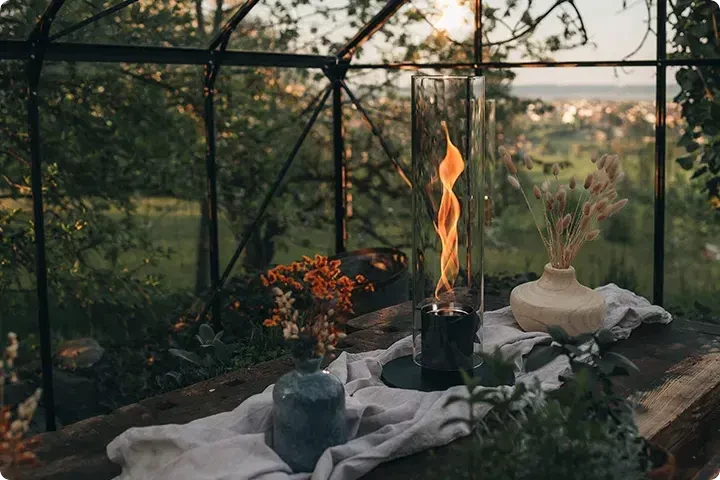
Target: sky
x=614, y=33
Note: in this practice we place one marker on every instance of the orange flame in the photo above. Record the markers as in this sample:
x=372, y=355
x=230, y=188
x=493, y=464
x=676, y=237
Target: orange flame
x=448, y=216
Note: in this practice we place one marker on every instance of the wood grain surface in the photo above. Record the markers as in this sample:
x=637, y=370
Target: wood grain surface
x=678, y=388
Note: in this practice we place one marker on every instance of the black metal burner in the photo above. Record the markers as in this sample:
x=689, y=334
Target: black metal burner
x=448, y=330
x=404, y=373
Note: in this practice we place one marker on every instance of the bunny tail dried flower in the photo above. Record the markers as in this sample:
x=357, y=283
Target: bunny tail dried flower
x=507, y=159
x=536, y=192
x=565, y=228
x=528, y=162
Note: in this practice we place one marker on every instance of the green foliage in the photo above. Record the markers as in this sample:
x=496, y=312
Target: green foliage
x=621, y=273
x=584, y=430
x=695, y=23
x=220, y=354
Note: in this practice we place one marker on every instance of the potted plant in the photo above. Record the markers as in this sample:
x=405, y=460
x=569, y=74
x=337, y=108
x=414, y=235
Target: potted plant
x=312, y=298
x=570, y=214
x=584, y=430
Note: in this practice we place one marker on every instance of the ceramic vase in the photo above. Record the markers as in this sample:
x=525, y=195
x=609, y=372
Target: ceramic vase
x=557, y=299
x=308, y=414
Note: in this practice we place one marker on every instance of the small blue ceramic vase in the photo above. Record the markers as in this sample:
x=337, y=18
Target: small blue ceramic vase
x=308, y=414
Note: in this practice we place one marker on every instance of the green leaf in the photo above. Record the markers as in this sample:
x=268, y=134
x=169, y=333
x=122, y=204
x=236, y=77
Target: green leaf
x=572, y=349
x=715, y=112
x=583, y=338
x=222, y=353
x=699, y=171
x=604, y=338
x=686, y=162
x=185, y=355
x=454, y=421
x=205, y=334
x=558, y=334
x=454, y=399
x=176, y=376
x=693, y=146
x=541, y=355
x=620, y=361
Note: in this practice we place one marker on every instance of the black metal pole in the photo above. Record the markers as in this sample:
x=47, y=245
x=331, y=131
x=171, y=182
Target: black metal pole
x=250, y=229
x=39, y=41
x=563, y=64
x=478, y=42
x=211, y=167
x=40, y=262
x=339, y=153
x=660, y=134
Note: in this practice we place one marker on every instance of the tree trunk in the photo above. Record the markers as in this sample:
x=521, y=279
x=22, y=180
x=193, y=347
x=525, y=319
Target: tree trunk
x=202, y=259
x=200, y=16
x=217, y=21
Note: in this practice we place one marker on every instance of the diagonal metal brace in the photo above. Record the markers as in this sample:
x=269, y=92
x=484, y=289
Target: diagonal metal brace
x=93, y=19
x=392, y=155
x=222, y=38
x=429, y=205
x=375, y=24
x=250, y=229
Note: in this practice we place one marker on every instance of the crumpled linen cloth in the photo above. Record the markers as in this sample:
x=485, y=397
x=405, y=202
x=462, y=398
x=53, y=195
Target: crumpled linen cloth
x=384, y=423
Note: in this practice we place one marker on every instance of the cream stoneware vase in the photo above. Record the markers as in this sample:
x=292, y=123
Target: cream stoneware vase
x=557, y=299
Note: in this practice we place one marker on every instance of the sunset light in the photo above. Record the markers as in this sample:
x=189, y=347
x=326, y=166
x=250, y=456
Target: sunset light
x=452, y=15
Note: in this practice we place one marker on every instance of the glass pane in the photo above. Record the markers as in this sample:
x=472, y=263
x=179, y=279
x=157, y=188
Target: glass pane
x=379, y=199
x=692, y=252
x=167, y=24
x=693, y=30
x=123, y=156
x=443, y=31
x=424, y=31
x=261, y=114
x=308, y=27
x=19, y=17
x=587, y=33
x=566, y=128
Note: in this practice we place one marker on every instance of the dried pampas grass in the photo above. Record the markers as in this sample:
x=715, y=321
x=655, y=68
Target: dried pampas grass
x=563, y=232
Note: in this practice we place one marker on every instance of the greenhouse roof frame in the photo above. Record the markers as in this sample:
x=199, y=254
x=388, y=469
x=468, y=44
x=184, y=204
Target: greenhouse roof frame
x=41, y=46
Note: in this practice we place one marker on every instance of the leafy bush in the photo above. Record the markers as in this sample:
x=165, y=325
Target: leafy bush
x=583, y=431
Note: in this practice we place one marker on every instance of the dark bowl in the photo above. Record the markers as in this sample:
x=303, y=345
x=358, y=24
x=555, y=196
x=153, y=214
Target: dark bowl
x=386, y=268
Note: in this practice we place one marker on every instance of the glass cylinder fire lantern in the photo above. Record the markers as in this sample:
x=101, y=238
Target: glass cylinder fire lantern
x=448, y=135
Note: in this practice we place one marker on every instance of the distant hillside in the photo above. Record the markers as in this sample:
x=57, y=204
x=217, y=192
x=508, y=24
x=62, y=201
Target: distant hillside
x=596, y=92
x=590, y=92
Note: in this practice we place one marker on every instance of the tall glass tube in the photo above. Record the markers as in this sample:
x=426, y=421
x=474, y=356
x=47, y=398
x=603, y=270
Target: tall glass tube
x=448, y=120
x=491, y=170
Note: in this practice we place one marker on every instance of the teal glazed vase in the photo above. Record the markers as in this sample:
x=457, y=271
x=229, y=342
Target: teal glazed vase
x=308, y=414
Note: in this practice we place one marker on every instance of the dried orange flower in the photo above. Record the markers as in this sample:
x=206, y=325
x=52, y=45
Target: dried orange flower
x=324, y=292
x=15, y=422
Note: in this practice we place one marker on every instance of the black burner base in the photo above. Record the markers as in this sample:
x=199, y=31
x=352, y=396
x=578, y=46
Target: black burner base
x=404, y=373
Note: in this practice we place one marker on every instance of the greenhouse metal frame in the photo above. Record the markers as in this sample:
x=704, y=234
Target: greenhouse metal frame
x=41, y=46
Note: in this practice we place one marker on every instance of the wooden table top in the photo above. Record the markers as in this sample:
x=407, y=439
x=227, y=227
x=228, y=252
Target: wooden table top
x=678, y=387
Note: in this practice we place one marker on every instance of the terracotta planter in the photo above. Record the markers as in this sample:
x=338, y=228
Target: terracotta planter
x=666, y=466
x=557, y=299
